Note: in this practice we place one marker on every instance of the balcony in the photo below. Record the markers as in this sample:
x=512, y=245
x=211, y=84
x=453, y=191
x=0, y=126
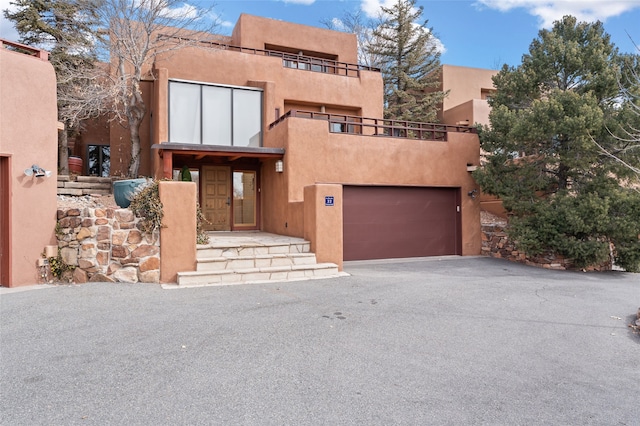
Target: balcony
x=361, y=126
x=289, y=60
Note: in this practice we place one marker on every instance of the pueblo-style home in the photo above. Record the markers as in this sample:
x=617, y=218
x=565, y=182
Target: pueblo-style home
x=283, y=132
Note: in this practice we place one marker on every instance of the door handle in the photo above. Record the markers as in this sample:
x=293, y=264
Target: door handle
x=228, y=201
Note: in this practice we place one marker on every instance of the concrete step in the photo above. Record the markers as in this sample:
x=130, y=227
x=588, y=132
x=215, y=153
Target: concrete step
x=255, y=261
x=207, y=251
x=257, y=275
x=88, y=185
x=95, y=179
x=78, y=191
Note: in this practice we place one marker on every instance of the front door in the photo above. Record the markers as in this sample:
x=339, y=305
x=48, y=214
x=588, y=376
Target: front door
x=216, y=190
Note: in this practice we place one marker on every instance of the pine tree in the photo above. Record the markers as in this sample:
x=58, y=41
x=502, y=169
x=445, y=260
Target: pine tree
x=564, y=194
x=409, y=59
x=67, y=29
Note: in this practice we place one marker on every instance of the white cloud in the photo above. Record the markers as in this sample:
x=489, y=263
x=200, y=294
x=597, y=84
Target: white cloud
x=372, y=7
x=549, y=11
x=7, y=30
x=338, y=25
x=186, y=11
x=217, y=18
x=304, y=2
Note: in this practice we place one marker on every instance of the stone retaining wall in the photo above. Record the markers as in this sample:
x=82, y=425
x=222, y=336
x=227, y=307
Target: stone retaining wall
x=105, y=244
x=496, y=243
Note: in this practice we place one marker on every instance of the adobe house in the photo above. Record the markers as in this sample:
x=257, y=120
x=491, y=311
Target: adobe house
x=469, y=90
x=28, y=153
x=467, y=104
x=282, y=130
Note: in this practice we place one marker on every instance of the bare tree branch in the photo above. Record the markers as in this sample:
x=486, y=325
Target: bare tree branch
x=138, y=32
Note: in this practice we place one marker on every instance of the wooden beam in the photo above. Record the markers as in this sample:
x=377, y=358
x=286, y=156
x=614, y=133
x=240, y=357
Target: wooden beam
x=167, y=165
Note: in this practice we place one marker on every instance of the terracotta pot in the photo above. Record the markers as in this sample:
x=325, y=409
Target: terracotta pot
x=75, y=165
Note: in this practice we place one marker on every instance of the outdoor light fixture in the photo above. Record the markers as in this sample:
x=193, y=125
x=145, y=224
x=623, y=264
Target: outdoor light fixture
x=279, y=166
x=473, y=194
x=37, y=171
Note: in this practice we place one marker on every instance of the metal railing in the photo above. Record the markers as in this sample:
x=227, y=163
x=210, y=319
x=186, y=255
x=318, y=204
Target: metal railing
x=354, y=125
x=289, y=60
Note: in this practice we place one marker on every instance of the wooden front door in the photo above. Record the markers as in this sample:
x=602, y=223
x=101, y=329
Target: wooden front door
x=216, y=197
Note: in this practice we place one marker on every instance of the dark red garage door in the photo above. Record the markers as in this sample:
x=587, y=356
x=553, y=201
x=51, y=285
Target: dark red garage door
x=382, y=222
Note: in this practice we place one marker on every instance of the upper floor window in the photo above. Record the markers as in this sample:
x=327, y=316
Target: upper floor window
x=486, y=94
x=214, y=115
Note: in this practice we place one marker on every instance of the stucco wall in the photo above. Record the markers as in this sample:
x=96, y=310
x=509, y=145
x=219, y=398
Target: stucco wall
x=314, y=156
x=293, y=85
x=475, y=111
x=28, y=134
x=256, y=32
x=323, y=224
x=465, y=83
x=178, y=232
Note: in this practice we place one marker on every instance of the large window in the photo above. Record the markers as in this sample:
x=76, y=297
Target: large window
x=214, y=115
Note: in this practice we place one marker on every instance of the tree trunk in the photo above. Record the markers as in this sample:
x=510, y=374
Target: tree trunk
x=134, y=132
x=63, y=150
x=135, y=115
x=563, y=176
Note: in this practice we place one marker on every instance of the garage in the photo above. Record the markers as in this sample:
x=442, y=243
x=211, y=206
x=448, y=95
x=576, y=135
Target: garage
x=382, y=222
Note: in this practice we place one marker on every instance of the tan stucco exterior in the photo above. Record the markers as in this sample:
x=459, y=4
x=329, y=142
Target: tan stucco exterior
x=28, y=136
x=468, y=90
x=316, y=161
x=178, y=232
x=263, y=33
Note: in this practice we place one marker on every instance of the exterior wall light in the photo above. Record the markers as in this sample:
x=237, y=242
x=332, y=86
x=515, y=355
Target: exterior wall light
x=279, y=166
x=473, y=194
x=37, y=171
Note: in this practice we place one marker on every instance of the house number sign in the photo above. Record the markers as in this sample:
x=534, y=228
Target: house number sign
x=328, y=201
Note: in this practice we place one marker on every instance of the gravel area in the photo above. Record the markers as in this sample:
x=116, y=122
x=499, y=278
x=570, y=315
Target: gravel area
x=487, y=218
x=70, y=201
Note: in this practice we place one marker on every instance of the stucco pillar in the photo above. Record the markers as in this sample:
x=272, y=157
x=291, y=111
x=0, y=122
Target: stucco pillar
x=178, y=232
x=160, y=122
x=323, y=221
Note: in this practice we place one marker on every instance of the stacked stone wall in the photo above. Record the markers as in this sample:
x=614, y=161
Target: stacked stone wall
x=496, y=243
x=106, y=244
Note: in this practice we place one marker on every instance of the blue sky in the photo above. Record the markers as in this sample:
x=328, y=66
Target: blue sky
x=475, y=33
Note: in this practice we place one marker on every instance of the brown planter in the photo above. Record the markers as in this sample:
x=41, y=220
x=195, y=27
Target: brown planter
x=75, y=165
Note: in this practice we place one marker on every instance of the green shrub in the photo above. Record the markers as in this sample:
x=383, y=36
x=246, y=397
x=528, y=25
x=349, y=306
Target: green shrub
x=146, y=204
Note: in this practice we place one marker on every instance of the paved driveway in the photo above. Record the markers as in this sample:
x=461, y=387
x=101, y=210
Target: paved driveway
x=450, y=341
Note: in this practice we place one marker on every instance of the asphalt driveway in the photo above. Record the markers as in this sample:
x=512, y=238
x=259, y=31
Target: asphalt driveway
x=438, y=341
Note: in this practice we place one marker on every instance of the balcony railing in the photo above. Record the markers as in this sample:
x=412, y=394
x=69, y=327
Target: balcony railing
x=23, y=48
x=289, y=60
x=354, y=125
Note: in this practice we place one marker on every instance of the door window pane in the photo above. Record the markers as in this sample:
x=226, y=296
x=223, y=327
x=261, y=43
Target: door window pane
x=184, y=119
x=216, y=110
x=244, y=198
